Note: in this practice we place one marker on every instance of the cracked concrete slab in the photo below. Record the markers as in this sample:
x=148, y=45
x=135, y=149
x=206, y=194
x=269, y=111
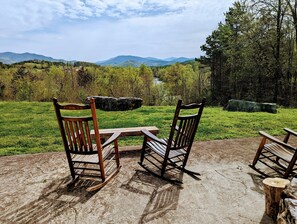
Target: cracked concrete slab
x=33, y=190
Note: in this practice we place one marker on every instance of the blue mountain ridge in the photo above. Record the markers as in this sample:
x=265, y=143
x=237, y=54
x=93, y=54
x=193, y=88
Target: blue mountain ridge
x=122, y=60
x=128, y=60
x=11, y=57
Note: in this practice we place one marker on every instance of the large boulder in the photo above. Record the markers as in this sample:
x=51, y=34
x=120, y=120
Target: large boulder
x=117, y=104
x=250, y=106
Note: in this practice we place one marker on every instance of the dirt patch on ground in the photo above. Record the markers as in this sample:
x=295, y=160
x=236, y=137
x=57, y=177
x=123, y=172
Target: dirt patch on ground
x=33, y=190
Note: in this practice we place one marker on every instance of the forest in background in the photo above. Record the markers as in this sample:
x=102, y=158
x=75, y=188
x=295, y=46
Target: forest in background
x=41, y=81
x=251, y=55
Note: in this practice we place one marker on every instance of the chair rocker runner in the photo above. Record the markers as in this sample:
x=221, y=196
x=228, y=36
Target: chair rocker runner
x=276, y=154
x=173, y=152
x=87, y=157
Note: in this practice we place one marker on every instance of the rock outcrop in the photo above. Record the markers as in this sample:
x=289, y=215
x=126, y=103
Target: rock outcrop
x=117, y=104
x=250, y=106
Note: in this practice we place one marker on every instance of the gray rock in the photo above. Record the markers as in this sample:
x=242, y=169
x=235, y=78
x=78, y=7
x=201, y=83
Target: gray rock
x=117, y=104
x=250, y=106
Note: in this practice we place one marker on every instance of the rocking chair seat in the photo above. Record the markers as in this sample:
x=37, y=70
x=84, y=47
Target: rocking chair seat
x=159, y=145
x=279, y=151
x=161, y=149
x=276, y=154
x=93, y=158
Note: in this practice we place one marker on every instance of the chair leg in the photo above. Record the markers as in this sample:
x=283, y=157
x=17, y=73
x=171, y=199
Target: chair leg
x=163, y=167
x=259, y=171
x=190, y=172
x=143, y=150
x=291, y=166
x=185, y=161
x=263, y=142
x=106, y=180
x=159, y=176
x=70, y=164
x=116, y=150
x=187, y=171
x=72, y=183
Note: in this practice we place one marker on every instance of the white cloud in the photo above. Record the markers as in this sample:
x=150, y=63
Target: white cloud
x=19, y=16
x=98, y=29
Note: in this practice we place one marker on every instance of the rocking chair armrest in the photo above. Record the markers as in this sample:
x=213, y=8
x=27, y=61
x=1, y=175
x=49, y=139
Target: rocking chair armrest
x=112, y=138
x=289, y=131
x=275, y=140
x=152, y=136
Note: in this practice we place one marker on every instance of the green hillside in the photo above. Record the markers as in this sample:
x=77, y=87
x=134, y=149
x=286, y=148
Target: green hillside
x=31, y=127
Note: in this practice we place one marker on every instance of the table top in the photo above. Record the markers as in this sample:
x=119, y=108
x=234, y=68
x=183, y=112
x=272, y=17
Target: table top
x=130, y=131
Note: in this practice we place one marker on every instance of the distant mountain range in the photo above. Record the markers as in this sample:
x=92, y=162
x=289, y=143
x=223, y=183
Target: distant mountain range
x=128, y=60
x=121, y=61
x=10, y=57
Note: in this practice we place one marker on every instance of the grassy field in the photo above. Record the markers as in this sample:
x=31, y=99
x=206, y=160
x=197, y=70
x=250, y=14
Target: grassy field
x=31, y=127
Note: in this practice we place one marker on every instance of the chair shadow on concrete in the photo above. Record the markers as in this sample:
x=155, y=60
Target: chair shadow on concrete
x=163, y=196
x=258, y=182
x=266, y=219
x=54, y=199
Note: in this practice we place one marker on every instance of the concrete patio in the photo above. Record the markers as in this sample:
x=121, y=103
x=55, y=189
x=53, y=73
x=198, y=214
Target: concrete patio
x=33, y=190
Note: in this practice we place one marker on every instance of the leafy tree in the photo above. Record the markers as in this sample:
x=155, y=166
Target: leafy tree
x=251, y=55
x=292, y=4
x=6, y=76
x=146, y=76
x=84, y=78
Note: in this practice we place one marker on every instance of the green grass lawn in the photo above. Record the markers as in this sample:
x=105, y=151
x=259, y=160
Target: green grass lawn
x=31, y=127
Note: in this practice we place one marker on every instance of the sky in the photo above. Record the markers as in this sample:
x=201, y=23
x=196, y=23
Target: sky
x=96, y=30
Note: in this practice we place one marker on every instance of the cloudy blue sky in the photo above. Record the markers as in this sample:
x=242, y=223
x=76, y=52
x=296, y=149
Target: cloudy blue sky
x=94, y=30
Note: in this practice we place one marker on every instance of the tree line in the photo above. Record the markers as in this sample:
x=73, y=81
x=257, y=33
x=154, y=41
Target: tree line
x=42, y=80
x=253, y=53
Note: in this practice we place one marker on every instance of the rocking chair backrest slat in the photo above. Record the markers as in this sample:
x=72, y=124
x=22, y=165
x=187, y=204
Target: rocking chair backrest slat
x=178, y=135
x=184, y=127
x=78, y=133
x=185, y=132
x=89, y=138
x=75, y=130
x=83, y=134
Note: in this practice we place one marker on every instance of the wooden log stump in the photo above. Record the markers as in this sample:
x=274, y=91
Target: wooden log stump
x=273, y=187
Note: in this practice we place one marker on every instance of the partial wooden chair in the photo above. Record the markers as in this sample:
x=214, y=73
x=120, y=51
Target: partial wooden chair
x=276, y=154
x=173, y=152
x=87, y=157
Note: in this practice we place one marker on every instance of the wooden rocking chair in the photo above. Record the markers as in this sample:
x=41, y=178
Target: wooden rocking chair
x=276, y=154
x=173, y=152
x=87, y=157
